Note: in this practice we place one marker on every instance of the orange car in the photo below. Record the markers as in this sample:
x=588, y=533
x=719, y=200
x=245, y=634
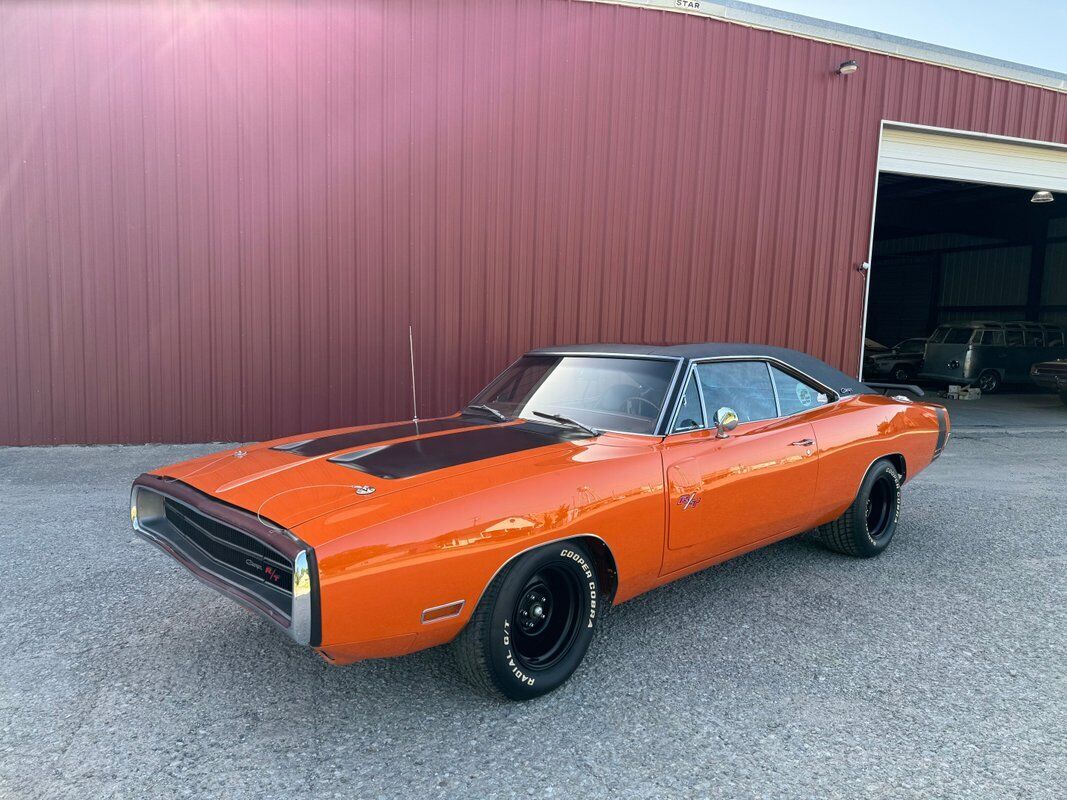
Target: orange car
x=579, y=478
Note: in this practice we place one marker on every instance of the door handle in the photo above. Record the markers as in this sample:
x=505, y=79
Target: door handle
x=802, y=443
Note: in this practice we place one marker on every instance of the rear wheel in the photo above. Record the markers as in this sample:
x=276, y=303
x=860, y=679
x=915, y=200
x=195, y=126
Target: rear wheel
x=989, y=381
x=533, y=625
x=867, y=527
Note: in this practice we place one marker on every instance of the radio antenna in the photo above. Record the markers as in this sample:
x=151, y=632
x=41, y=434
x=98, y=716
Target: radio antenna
x=411, y=350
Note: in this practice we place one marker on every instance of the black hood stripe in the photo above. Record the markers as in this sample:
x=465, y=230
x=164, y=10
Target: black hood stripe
x=346, y=441
x=414, y=457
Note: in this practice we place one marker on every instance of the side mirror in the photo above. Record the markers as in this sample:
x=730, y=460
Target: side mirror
x=725, y=420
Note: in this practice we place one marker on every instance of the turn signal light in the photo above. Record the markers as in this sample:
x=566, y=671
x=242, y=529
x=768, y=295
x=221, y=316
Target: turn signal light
x=447, y=611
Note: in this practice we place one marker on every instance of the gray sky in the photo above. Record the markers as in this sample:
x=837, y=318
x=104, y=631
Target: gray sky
x=1032, y=32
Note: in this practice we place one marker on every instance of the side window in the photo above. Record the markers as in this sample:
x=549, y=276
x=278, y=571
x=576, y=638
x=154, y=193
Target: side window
x=690, y=415
x=1055, y=339
x=794, y=395
x=743, y=386
x=958, y=336
x=1014, y=337
x=993, y=337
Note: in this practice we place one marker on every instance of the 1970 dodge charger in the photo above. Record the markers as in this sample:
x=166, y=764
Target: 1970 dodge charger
x=579, y=478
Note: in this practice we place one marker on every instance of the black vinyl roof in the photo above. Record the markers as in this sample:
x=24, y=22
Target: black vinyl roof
x=809, y=365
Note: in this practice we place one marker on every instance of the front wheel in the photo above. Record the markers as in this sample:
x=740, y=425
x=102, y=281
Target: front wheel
x=533, y=625
x=867, y=527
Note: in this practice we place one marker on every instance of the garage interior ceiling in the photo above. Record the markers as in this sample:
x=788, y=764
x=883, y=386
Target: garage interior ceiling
x=948, y=251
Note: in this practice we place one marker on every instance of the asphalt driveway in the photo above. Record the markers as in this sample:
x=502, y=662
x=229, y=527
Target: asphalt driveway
x=938, y=669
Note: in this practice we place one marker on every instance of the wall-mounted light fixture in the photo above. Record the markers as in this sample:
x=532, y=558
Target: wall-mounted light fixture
x=1042, y=196
x=847, y=68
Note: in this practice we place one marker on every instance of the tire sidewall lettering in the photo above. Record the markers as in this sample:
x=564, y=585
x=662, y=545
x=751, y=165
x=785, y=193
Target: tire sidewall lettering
x=508, y=663
x=590, y=576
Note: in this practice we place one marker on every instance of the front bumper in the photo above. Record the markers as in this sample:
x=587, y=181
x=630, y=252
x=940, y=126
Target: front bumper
x=1057, y=383
x=292, y=604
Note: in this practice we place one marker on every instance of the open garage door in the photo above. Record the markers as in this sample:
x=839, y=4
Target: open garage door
x=969, y=157
x=964, y=251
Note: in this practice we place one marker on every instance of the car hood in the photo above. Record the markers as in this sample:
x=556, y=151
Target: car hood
x=292, y=481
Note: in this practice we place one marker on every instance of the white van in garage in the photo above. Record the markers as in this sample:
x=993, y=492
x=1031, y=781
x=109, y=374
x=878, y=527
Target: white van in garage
x=989, y=353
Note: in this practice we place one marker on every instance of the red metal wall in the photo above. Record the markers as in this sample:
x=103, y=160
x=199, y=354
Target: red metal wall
x=216, y=220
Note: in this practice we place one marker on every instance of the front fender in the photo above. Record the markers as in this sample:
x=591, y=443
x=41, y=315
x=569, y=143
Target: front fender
x=442, y=546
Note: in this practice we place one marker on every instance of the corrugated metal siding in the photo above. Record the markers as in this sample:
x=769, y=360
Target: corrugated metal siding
x=1054, y=288
x=986, y=277
x=217, y=220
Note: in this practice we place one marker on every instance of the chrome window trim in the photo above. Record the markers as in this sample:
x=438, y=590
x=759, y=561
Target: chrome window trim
x=774, y=390
x=690, y=375
x=703, y=402
x=832, y=396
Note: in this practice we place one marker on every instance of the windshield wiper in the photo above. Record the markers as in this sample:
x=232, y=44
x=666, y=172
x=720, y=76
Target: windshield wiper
x=487, y=409
x=568, y=421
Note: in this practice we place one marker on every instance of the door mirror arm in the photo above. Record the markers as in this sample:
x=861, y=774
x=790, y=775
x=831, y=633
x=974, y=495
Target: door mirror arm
x=725, y=420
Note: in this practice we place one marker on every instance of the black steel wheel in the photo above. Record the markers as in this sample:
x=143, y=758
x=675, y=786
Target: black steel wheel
x=868, y=525
x=534, y=623
x=546, y=619
x=881, y=501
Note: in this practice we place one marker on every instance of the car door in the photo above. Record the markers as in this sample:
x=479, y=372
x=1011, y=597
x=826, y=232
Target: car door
x=727, y=494
x=990, y=352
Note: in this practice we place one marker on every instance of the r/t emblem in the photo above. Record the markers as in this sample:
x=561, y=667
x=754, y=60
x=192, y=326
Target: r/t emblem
x=687, y=501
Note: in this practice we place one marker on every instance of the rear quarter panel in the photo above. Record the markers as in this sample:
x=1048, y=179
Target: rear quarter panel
x=854, y=433
x=443, y=542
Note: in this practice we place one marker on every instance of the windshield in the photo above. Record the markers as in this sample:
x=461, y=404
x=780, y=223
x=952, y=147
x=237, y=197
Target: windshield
x=614, y=394
x=949, y=335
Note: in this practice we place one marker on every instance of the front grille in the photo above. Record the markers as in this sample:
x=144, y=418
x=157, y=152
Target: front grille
x=231, y=547
x=1051, y=369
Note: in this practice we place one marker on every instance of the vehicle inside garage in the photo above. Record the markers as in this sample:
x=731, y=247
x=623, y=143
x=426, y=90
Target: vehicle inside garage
x=980, y=267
